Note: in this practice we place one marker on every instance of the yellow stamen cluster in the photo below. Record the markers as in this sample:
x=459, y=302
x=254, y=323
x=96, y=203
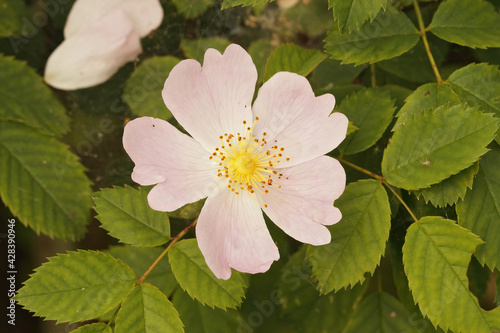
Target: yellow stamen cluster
x=248, y=162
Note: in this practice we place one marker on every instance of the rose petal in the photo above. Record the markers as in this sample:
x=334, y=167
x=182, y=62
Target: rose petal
x=164, y=155
x=231, y=232
x=304, y=203
x=91, y=58
x=214, y=99
x=290, y=114
x=145, y=14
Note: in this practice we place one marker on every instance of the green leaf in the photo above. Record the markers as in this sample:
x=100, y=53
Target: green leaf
x=199, y=318
x=436, y=255
x=27, y=99
x=426, y=97
x=192, y=8
x=11, y=13
x=380, y=312
x=196, y=48
x=42, y=182
x=458, y=133
x=140, y=258
x=390, y=34
x=260, y=50
x=147, y=310
x=143, y=90
x=93, y=328
x=371, y=111
x=451, y=189
x=302, y=305
x=293, y=58
x=478, y=277
x=480, y=209
x=232, y=3
x=197, y=279
x=331, y=72
x=350, y=14
x=76, y=286
x=472, y=23
x=358, y=240
x=308, y=17
x=125, y=213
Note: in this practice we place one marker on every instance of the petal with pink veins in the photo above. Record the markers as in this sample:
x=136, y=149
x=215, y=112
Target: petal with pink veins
x=164, y=155
x=304, y=203
x=212, y=100
x=92, y=57
x=232, y=233
x=295, y=119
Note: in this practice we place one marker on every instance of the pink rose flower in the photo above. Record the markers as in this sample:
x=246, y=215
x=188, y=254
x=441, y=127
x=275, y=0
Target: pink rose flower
x=244, y=159
x=100, y=37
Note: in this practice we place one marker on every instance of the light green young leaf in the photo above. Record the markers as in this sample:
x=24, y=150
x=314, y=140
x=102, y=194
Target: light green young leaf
x=27, y=99
x=94, y=328
x=194, y=276
x=480, y=209
x=451, y=189
x=380, y=312
x=11, y=12
x=196, y=48
x=472, y=23
x=350, y=14
x=436, y=255
x=143, y=90
x=458, y=133
x=358, y=240
x=232, y=3
x=192, y=8
x=293, y=58
x=42, y=182
x=426, y=97
x=76, y=286
x=140, y=258
x=390, y=34
x=125, y=213
x=200, y=318
x=371, y=111
x=147, y=310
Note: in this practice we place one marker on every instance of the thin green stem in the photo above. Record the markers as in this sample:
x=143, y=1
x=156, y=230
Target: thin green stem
x=160, y=257
x=382, y=180
x=426, y=42
x=373, y=78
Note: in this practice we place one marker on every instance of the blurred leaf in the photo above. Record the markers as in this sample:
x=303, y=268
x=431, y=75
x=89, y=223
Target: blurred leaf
x=232, y=3
x=390, y=34
x=370, y=110
x=331, y=72
x=147, y=310
x=143, y=90
x=42, y=182
x=194, y=276
x=27, y=99
x=310, y=17
x=125, y=213
x=260, y=50
x=350, y=14
x=76, y=286
x=478, y=277
x=196, y=48
x=200, y=318
x=380, y=312
x=192, y=8
x=480, y=209
x=472, y=23
x=301, y=303
x=491, y=56
x=458, y=133
x=436, y=255
x=451, y=189
x=140, y=258
x=293, y=58
x=11, y=13
x=358, y=240
x=93, y=328
x=426, y=97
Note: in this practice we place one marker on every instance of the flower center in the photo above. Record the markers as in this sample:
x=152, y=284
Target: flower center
x=247, y=162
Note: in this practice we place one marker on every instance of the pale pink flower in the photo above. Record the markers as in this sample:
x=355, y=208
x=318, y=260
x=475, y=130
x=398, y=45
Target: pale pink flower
x=245, y=159
x=100, y=37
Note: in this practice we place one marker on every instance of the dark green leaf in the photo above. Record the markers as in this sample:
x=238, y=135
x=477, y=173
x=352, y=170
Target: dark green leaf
x=350, y=14
x=11, y=13
x=192, y=8
x=260, y=50
x=196, y=48
x=331, y=72
x=93, y=328
x=310, y=17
